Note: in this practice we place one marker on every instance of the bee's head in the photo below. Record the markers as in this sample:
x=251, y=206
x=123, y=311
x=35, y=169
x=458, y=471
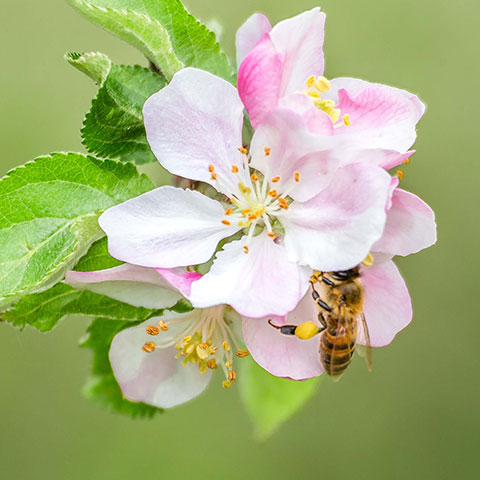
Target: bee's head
x=345, y=275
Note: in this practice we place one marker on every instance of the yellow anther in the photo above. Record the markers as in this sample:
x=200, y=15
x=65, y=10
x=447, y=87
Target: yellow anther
x=212, y=364
x=187, y=339
x=246, y=211
x=214, y=176
x=202, y=368
x=234, y=169
x=152, y=330
x=228, y=364
x=306, y=330
x=226, y=346
x=244, y=189
x=406, y=161
x=310, y=82
x=202, y=352
x=322, y=84
x=346, y=120
x=243, y=150
x=275, y=179
x=254, y=177
x=400, y=174
x=268, y=151
x=226, y=384
x=228, y=211
x=273, y=193
x=190, y=349
x=296, y=176
x=232, y=376
x=211, y=168
x=253, y=217
x=163, y=326
x=368, y=262
x=335, y=115
x=226, y=222
x=149, y=347
x=245, y=249
x=242, y=353
x=272, y=235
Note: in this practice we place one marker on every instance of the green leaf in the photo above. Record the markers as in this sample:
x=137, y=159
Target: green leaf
x=102, y=387
x=114, y=126
x=141, y=31
x=94, y=64
x=269, y=400
x=193, y=43
x=49, y=212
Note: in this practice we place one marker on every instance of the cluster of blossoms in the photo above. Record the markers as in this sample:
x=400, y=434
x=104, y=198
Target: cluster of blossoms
x=310, y=192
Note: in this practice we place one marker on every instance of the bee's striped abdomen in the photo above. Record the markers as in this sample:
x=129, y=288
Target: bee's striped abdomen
x=337, y=348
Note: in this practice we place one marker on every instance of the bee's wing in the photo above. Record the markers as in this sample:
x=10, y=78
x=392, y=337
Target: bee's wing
x=364, y=336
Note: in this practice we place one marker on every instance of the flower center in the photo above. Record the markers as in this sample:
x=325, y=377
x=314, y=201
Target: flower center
x=315, y=87
x=203, y=338
x=258, y=200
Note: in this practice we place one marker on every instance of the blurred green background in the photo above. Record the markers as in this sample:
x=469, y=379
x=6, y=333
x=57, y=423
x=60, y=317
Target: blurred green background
x=416, y=416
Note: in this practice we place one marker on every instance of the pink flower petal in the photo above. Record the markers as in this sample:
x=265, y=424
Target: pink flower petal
x=300, y=41
x=154, y=378
x=293, y=149
x=179, y=279
x=166, y=227
x=137, y=286
x=410, y=226
x=336, y=229
x=388, y=307
x=282, y=355
x=259, y=79
x=195, y=122
x=250, y=33
x=256, y=284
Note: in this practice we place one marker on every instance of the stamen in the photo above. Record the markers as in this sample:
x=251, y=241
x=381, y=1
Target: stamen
x=226, y=384
x=228, y=211
x=273, y=193
x=400, y=174
x=272, y=235
x=234, y=169
x=322, y=84
x=346, y=120
x=152, y=330
x=296, y=176
x=406, y=161
x=226, y=346
x=163, y=326
x=246, y=211
x=245, y=249
x=242, y=353
x=228, y=364
x=211, y=168
x=368, y=262
x=254, y=177
x=226, y=222
x=212, y=364
x=243, y=150
x=275, y=179
x=232, y=376
x=202, y=368
x=310, y=82
x=149, y=347
x=267, y=151
x=214, y=176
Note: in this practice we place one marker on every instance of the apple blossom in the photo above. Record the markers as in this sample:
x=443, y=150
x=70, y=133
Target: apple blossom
x=410, y=228
x=283, y=67
x=292, y=202
x=168, y=359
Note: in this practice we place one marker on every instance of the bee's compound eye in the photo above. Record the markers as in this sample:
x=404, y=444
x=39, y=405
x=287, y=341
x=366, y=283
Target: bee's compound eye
x=343, y=275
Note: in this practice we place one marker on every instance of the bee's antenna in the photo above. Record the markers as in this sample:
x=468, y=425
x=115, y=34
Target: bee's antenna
x=273, y=325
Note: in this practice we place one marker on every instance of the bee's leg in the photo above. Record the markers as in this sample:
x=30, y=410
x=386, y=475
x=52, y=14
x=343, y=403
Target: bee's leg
x=322, y=320
x=319, y=301
x=304, y=331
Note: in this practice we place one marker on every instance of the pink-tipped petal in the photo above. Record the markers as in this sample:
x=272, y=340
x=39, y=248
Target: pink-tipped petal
x=300, y=41
x=259, y=79
x=137, y=286
x=388, y=308
x=194, y=123
x=166, y=227
x=179, y=279
x=154, y=378
x=410, y=226
x=281, y=355
x=249, y=34
x=336, y=229
x=256, y=284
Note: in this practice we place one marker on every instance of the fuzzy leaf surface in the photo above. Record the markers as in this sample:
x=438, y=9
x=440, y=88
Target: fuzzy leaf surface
x=114, y=126
x=193, y=43
x=94, y=64
x=49, y=212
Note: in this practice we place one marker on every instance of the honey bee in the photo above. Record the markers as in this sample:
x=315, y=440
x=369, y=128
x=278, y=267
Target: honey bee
x=340, y=298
